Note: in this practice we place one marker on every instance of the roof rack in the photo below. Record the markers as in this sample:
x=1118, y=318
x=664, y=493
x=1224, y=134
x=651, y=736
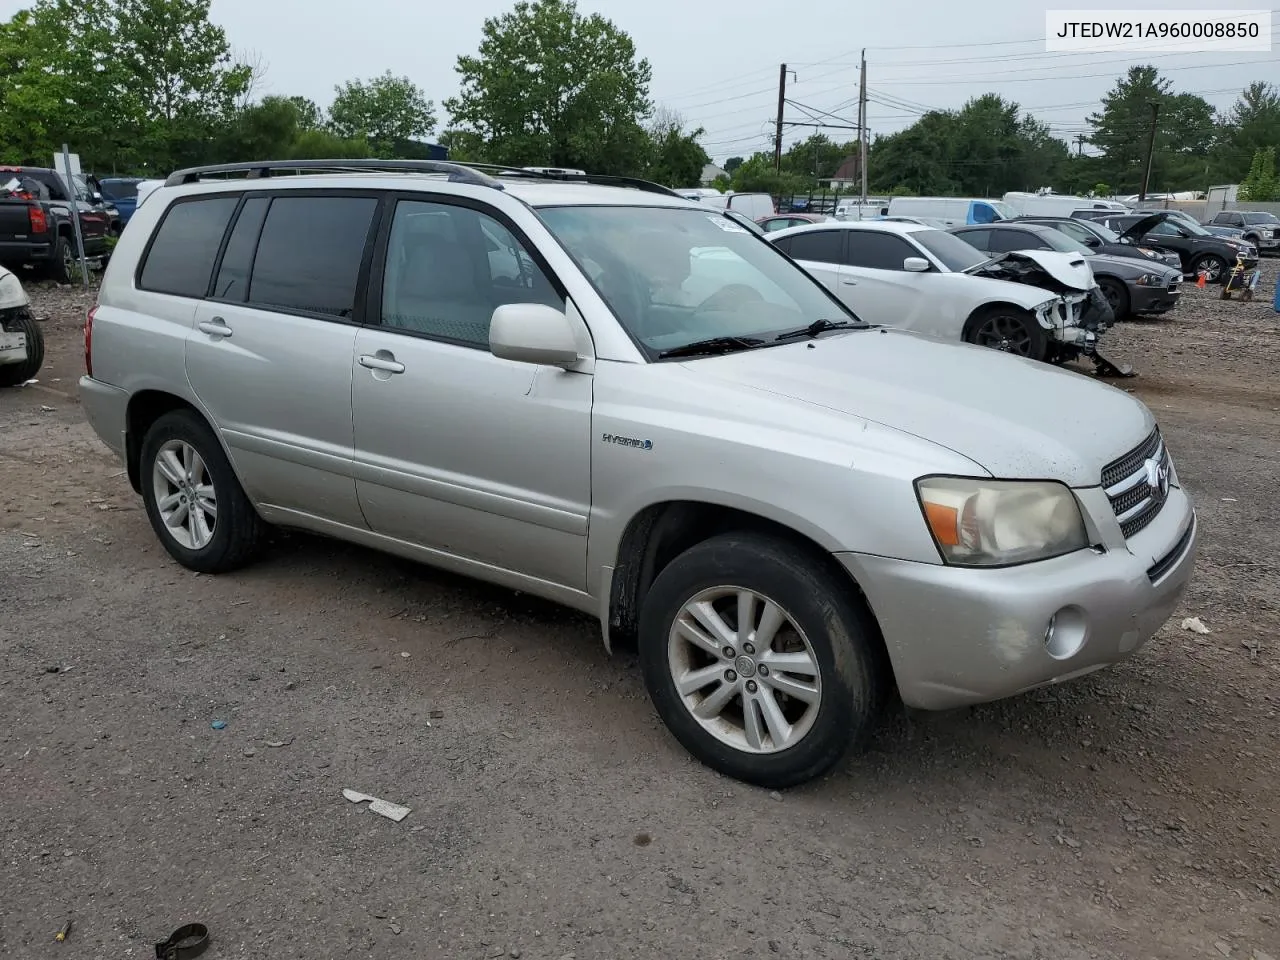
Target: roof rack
x=476, y=174
x=456, y=172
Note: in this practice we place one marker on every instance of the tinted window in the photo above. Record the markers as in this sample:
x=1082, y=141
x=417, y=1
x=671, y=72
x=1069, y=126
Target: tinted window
x=820, y=246
x=448, y=268
x=1166, y=229
x=1005, y=241
x=1076, y=232
x=983, y=213
x=182, y=252
x=309, y=254
x=952, y=251
x=233, y=275
x=119, y=189
x=981, y=239
x=1259, y=218
x=877, y=251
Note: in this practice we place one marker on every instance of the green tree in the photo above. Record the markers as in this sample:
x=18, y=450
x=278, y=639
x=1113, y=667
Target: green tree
x=1260, y=185
x=676, y=158
x=179, y=81
x=815, y=158
x=1184, y=133
x=310, y=116
x=756, y=174
x=1252, y=124
x=387, y=110
x=732, y=164
x=550, y=86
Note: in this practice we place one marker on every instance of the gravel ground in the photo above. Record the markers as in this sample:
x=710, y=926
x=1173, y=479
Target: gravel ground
x=1134, y=813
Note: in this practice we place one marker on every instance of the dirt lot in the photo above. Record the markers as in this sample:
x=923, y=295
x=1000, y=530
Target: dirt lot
x=1135, y=813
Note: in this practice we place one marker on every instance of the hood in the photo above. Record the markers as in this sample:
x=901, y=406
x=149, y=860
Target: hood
x=1016, y=418
x=1071, y=270
x=1132, y=267
x=11, y=292
x=1145, y=225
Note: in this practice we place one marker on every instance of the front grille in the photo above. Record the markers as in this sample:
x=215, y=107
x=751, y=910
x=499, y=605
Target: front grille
x=1127, y=484
x=1173, y=286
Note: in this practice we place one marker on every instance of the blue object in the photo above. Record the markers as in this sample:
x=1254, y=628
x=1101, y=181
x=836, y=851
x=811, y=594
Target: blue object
x=218, y=724
x=1276, y=303
x=123, y=193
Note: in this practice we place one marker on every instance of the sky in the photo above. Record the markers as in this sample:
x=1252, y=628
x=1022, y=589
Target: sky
x=717, y=62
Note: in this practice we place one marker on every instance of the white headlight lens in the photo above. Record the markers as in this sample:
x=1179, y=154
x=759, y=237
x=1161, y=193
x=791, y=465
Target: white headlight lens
x=987, y=523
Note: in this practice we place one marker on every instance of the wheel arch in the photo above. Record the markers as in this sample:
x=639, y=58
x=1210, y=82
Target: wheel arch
x=145, y=408
x=660, y=532
x=987, y=306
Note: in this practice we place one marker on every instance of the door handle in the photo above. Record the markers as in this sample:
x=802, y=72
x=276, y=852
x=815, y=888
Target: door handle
x=849, y=282
x=217, y=327
x=390, y=365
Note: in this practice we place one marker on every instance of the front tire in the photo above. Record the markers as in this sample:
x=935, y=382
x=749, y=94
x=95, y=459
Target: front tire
x=763, y=663
x=12, y=374
x=1008, y=329
x=1214, y=267
x=1117, y=296
x=193, y=498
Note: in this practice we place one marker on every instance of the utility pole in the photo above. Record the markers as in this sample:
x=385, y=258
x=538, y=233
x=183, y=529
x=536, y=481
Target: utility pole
x=782, y=102
x=862, y=125
x=1151, y=149
x=1080, y=139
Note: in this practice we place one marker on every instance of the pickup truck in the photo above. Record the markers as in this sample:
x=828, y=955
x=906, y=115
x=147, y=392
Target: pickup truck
x=36, y=226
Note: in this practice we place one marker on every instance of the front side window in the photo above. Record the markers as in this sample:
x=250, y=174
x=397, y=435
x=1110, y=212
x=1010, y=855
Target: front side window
x=180, y=260
x=309, y=254
x=1007, y=241
x=1260, y=218
x=673, y=276
x=818, y=246
x=449, y=267
x=951, y=250
x=979, y=239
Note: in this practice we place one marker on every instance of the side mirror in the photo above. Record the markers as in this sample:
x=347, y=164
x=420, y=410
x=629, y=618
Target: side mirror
x=1092, y=242
x=915, y=265
x=532, y=333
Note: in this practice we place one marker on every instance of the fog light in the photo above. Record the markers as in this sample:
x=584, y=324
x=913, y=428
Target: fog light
x=1065, y=633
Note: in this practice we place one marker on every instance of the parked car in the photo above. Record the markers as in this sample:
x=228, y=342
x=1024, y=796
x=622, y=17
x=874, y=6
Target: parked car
x=1130, y=286
x=931, y=282
x=784, y=220
x=792, y=512
x=123, y=192
x=951, y=210
x=744, y=221
x=1198, y=249
x=1101, y=240
x=37, y=228
x=1181, y=216
x=1057, y=205
x=923, y=221
x=1259, y=228
x=21, y=339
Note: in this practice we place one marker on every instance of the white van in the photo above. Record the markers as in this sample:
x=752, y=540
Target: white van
x=1057, y=205
x=953, y=211
x=753, y=205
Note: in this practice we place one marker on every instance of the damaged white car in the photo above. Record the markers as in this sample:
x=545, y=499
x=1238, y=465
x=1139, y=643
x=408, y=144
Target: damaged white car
x=21, y=341
x=1038, y=304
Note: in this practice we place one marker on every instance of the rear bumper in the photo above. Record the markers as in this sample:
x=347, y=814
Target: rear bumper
x=961, y=636
x=106, y=408
x=14, y=251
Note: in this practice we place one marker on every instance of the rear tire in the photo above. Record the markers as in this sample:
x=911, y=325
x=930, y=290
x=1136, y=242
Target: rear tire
x=60, y=266
x=1008, y=329
x=13, y=374
x=193, y=498
x=823, y=645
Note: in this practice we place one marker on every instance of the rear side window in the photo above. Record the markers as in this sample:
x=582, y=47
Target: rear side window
x=309, y=254
x=237, y=260
x=976, y=238
x=878, y=251
x=180, y=259
x=818, y=246
x=1007, y=241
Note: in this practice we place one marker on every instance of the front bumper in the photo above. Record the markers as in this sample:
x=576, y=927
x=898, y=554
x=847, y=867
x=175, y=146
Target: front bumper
x=960, y=636
x=107, y=410
x=1153, y=299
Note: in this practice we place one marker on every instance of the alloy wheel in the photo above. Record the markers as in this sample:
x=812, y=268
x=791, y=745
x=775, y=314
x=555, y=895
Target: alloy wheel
x=744, y=669
x=184, y=493
x=1005, y=332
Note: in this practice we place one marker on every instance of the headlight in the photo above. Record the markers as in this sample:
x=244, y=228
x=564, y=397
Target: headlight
x=11, y=292
x=996, y=523
x=1149, y=280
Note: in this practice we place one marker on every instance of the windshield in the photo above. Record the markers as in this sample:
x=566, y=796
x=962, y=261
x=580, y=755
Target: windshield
x=1006, y=212
x=1057, y=240
x=673, y=276
x=1260, y=218
x=1080, y=228
x=949, y=250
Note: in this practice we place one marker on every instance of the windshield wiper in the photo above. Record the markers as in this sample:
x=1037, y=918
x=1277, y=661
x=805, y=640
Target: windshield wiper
x=822, y=326
x=712, y=345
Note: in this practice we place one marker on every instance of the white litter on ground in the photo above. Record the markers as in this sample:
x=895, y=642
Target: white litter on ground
x=392, y=811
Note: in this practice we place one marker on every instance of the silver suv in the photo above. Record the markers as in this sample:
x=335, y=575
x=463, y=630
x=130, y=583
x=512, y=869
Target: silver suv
x=622, y=401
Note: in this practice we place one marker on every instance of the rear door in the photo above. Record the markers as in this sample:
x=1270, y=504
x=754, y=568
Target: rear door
x=820, y=253
x=270, y=354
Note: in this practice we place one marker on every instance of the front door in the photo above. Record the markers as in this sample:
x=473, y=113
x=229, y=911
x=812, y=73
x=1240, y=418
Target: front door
x=886, y=293
x=456, y=450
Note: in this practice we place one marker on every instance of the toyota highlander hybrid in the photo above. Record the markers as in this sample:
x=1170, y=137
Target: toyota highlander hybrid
x=620, y=400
